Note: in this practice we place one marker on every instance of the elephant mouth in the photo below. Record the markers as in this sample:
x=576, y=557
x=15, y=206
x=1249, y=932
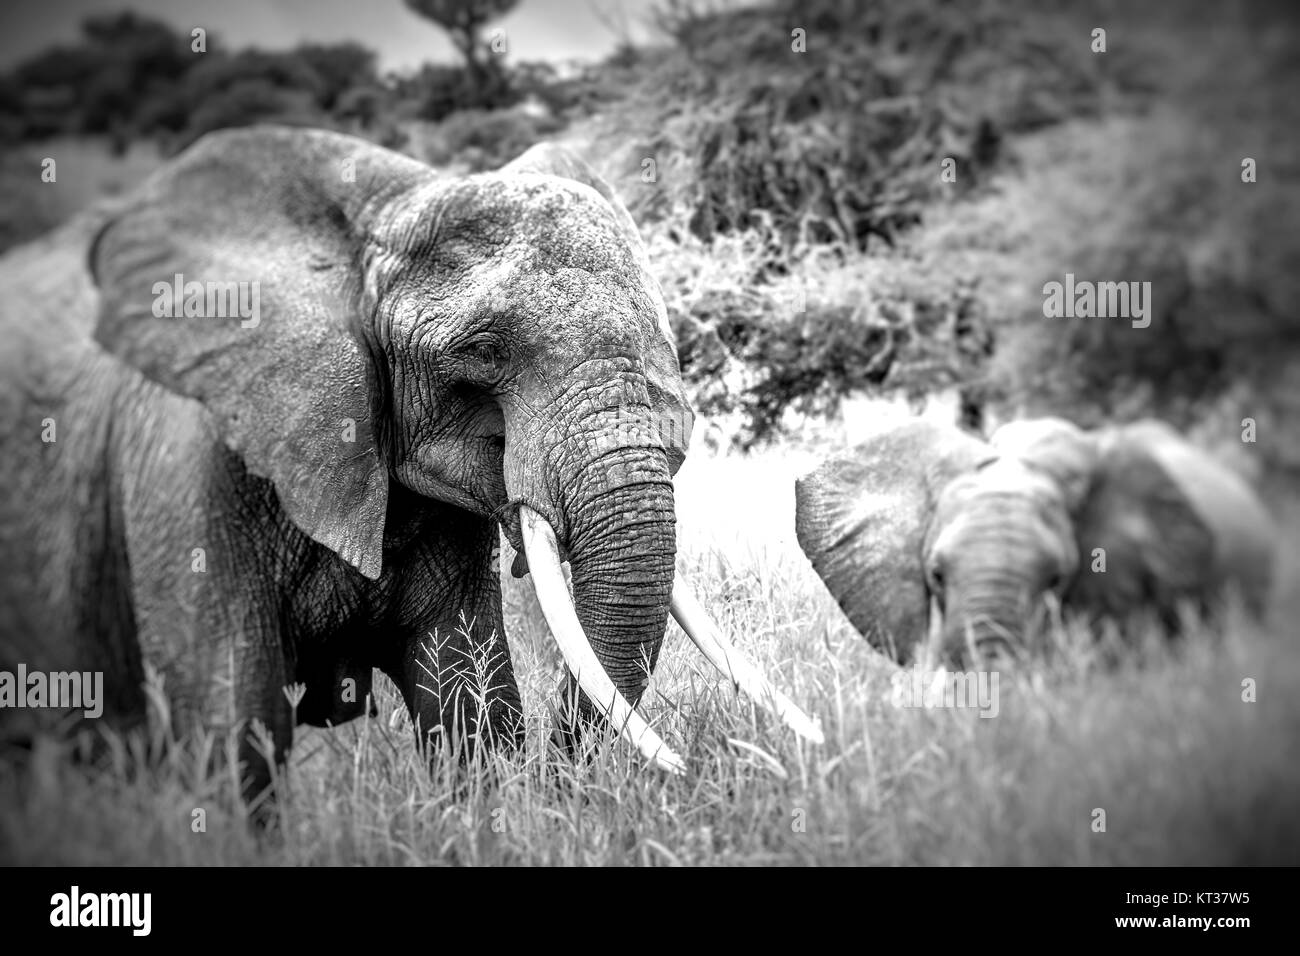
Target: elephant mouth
x=543, y=558
x=511, y=520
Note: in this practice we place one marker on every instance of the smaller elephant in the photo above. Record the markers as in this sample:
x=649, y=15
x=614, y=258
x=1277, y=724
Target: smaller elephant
x=928, y=536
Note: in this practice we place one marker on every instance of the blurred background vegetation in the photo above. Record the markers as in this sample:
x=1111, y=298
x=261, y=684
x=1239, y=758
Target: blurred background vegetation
x=793, y=202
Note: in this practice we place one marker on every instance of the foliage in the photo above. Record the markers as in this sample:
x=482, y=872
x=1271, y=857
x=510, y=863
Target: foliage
x=1133, y=175
x=436, y=90
x=486, y=139
x=802, y=343
x=96, y=85
x=759, y=174
x=486, y=84
x=136, y=77
x=339, y=67
x=1159, y=198
x=844, y=142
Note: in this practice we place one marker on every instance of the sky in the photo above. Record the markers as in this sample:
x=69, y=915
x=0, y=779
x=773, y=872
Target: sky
x=534, y=30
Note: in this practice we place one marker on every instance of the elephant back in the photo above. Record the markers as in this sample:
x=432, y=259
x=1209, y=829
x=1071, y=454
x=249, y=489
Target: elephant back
x=1244, y=544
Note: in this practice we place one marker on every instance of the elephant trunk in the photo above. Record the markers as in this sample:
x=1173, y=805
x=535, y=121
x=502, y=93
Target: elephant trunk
x=607, y=495
x=622, y=546
x=985, y=617
x=603, y=500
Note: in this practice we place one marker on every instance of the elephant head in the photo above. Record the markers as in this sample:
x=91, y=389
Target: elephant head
x=494, y=342
x=928, y=535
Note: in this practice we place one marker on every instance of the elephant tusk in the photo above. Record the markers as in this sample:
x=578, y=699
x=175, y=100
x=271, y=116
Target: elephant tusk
x=727, y=658
x=933, y=653
x=553, y=594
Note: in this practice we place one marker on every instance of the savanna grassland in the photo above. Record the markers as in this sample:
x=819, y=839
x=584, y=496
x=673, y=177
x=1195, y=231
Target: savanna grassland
x=1162, y=741
x=817, y=182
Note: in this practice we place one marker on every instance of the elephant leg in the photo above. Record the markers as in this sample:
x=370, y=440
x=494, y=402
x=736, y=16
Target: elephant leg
x=452, y=663
x=215, y=645
x=208, y=603
x=262, y=718
x=337, y=689
x=459, y=685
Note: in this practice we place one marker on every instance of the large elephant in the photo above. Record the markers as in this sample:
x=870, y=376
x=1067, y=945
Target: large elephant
x=929, y=537
x=266, y=415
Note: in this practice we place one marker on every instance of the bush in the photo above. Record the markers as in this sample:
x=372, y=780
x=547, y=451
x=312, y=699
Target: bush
x=438, y=90
x=939, y=289
x=486, y=139
x=891, y=321
x=845, y=143
x=1160, y=199
x=98, y=84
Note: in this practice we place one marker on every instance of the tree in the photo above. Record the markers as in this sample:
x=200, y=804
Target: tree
x=464, y=21
x=123, y=63
x=342, y=66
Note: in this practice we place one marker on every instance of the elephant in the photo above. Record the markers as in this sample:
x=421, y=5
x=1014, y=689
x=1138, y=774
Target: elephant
x=267, y=416
x=941, y=547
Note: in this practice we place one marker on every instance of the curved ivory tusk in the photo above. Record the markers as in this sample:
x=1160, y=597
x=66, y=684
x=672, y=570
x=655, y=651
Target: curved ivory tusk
x=728, y=658
x=932, y=654
x=553, y=595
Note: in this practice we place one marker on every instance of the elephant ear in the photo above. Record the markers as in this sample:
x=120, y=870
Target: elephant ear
x=663, y=370
x=862, y=519
x=261, y=231
x=1141, y=540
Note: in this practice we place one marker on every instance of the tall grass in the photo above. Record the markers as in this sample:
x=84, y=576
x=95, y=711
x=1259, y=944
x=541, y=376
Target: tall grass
x=1185, y=770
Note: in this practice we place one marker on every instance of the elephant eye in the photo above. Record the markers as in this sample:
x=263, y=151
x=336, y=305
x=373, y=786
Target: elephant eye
x=936, y=579
x=484, y=360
